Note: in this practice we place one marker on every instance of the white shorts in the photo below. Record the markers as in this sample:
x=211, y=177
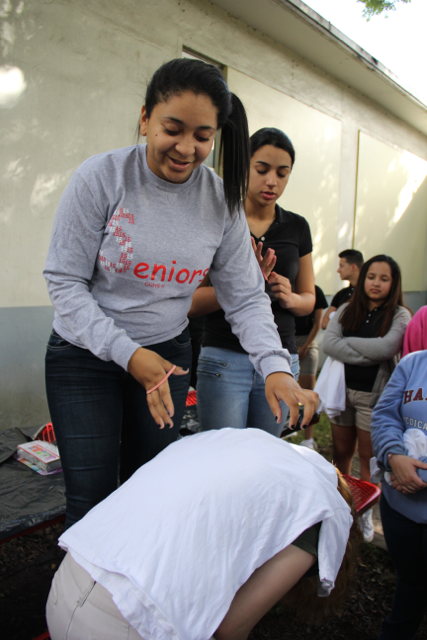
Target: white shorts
x=357, y=411
x=308, y=364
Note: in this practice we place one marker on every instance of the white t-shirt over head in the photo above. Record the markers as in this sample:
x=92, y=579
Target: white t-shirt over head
x=178, y=539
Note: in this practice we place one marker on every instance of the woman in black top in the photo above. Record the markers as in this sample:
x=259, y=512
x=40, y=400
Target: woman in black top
x=230, y=391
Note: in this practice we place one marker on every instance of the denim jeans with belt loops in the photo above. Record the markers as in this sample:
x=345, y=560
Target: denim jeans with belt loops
x=100, y=417
x=230, y=393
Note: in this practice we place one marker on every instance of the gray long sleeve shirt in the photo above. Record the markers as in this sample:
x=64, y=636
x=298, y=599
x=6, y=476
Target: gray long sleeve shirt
x=128, y=251
x=365, y=352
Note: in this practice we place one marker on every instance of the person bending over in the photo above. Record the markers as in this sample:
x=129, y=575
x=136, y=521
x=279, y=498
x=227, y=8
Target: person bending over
x=203, y=540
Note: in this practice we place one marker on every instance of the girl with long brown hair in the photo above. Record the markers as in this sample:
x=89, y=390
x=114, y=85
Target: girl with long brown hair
x=366, y=335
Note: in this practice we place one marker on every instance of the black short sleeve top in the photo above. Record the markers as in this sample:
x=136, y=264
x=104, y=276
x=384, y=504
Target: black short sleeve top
x=342, y=296
x=304, y=324
x=289, y=235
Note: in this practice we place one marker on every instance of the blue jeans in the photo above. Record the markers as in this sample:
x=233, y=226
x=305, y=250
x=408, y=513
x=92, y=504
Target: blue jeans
x=230, y=393
x=101, y=417
x=407, y=544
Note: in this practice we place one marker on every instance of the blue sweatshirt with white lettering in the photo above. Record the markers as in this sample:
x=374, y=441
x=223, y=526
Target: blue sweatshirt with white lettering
x=402, y=406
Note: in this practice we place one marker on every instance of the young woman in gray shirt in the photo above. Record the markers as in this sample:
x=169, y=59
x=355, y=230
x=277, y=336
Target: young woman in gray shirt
x=135, y=232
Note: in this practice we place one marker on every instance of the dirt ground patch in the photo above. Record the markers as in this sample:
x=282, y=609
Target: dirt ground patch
x=27, y=565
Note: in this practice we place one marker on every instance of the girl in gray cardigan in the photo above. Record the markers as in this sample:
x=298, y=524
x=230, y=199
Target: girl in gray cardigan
x=366, y=335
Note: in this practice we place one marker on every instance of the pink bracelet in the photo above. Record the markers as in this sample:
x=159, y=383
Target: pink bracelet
x=171, y=370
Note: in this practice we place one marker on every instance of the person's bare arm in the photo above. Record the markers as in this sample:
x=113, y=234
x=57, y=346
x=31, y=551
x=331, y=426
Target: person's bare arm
x=204, y=300
x=325, y=318
x=301, y=301
x=302, y=351
x=266, y=586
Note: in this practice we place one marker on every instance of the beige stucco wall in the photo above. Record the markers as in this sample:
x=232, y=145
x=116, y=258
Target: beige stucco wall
x=391, y=207
x=313, y=188
x=85, y=65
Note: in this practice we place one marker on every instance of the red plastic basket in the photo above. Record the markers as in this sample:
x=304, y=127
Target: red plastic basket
x=364, y=493
x=47, y=434
x=191, y=398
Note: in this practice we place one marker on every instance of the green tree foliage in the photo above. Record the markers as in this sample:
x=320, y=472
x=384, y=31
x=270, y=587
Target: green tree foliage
x=375, y=7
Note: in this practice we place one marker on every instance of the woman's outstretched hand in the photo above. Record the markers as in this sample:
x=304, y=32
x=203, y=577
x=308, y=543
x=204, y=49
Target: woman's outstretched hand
x=267, y=262
x=282, y=386
x=405, y=478
x=149, y=369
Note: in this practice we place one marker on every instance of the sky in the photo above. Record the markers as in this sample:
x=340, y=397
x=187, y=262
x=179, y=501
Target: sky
x=398, y=41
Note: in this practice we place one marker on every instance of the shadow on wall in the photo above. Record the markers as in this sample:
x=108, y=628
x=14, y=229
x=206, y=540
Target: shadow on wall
x=391, y=208
x=313, y=193
x=322, y=223
x=403, y=238
x=23, y=338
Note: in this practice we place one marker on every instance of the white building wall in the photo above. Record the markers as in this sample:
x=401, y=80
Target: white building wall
x=85, y=65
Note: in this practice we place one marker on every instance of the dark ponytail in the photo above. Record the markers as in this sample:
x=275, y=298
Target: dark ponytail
x=235, y=155
x=184, y=74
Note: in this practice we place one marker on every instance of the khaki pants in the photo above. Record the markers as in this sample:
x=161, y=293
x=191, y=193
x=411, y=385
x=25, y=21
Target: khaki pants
x=80, y=608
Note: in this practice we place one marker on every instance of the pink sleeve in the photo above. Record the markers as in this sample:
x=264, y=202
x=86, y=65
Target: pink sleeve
x=416, y=333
